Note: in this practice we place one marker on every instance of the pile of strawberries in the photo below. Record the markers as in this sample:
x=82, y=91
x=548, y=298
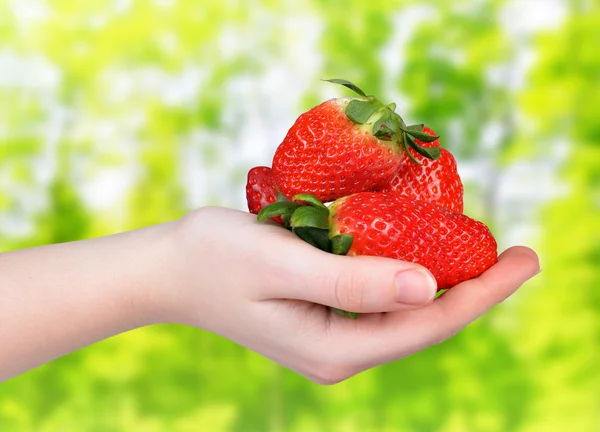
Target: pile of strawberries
x=394, y=191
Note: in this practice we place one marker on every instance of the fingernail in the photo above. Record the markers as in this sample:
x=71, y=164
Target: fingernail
x=414, y=286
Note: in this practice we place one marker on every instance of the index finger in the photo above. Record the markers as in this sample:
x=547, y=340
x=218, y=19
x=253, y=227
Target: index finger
x=469, y=300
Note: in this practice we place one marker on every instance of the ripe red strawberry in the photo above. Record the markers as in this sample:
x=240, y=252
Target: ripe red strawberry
x=261, y=190
x=454, y=247
x=344, y=146
x=435, y=181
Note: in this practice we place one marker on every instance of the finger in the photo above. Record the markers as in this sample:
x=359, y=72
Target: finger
x=358, y=283
x=401, y=334
x=470, y=300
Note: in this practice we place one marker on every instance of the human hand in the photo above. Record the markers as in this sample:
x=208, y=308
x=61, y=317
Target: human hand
x=260, y=286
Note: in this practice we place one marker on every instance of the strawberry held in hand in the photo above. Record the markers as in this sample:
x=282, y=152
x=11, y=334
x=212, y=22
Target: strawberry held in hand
x=435, y=181
x=261, y=190
x=454, y=247
x=344, y=146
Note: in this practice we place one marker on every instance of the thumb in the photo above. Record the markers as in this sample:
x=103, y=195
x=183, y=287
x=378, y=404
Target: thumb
x=365, y=284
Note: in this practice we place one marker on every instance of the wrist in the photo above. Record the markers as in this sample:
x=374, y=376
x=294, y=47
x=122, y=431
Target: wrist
x=154, y=269
x=174, y=293
x=191, y=270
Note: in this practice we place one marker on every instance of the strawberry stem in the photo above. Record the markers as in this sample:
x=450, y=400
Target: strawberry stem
x=348, y=84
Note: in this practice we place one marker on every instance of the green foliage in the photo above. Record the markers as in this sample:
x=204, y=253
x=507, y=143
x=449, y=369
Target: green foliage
x=563, y=101
x=108, y=95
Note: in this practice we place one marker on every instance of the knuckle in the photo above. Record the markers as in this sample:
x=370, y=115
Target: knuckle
x=196, y=220
x=330, y=373
x=349, y=292
x=331, y=366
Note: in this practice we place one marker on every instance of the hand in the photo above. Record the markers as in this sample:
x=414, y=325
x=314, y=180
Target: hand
x=260, y=286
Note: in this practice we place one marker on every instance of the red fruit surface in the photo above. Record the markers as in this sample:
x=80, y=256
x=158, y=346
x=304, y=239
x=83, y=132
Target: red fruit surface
x=261, y=190
x=324, y=153
x=454, y=247
x=435, y=181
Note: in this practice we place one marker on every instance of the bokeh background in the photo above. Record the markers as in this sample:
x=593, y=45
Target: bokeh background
x=116, y=114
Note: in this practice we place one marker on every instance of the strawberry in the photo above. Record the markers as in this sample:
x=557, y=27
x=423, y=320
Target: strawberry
x=454, y=247
x=261, y=190
x=344, y=146
x=435, y=181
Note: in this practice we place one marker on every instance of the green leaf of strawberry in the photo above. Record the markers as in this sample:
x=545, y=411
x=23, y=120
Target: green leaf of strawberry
x=317, y=237
x=308, y=199
x=280, y=208
x=359, y=111
x=407, y=146
x=415, y=128
x=351, y=315
x=385, y=127
x=428, y=152
x=341, y=244
x=311, y=222
x=314, y=217
x=420, y=135
x=348, y=84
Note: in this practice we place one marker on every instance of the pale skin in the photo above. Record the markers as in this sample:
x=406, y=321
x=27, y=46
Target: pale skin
x=255, y=284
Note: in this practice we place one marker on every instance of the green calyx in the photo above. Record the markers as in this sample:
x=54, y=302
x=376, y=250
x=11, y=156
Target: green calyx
x=384, y=123
x=351, y=315
x=308, y=218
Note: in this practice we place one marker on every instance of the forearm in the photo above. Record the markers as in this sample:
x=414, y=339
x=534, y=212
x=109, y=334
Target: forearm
x=58, y=298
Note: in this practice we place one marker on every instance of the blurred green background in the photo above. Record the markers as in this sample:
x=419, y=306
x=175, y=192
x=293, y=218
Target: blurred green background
x=123, y=113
